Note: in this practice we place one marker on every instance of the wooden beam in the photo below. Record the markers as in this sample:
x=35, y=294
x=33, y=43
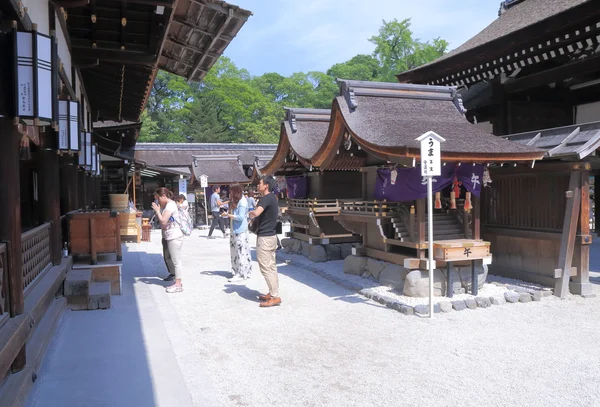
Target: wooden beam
x=81, y=3
x=113, y=55
x=219, y=32
x=476, y=217
x=567, y=243
x=579, y=68
x=581, y=281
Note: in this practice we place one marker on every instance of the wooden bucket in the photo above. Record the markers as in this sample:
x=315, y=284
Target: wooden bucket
x=118, y=202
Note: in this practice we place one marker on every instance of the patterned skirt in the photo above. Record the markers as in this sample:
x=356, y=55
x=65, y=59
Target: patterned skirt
x=241, y=263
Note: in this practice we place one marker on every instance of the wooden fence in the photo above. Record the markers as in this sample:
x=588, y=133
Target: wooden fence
x=35, y=250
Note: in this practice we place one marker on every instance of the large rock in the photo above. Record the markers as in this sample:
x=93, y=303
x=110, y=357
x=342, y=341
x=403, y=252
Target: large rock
x=416, y=283
x=375, y=267
x=393, y=276
x=297, y=247
x=355, y=265
x=318, y=254
x=288, y=241
x=345, y=250
x=306, y=248
x=333, y=252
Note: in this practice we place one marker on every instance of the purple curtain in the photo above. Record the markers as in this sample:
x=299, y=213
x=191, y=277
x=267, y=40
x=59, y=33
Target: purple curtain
x=409, y=185
x=297, y=187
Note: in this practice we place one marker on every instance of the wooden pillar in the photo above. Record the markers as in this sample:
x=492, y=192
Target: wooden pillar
x=68, y=185
x=569, y=235
x=580, y=284
x=500, y=121
x=49, y=192
x=82, y=183
x=596, y=201
x=476, y=219
x=421, y=224
x=10, y=223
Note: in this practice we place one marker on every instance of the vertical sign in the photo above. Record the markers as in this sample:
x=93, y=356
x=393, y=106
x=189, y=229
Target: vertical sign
x=203, y=181
x=88, y=151
x=44, y=77
x=204, y=185
x=82, y=149
x=25, y=87
x=182, y=185
x=74, y=125
x=63, y=124
x=431, y=166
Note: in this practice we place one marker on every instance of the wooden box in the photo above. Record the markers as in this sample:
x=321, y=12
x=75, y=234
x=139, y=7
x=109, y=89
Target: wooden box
x=94, y=232
x=111, y=274
x=461, y=250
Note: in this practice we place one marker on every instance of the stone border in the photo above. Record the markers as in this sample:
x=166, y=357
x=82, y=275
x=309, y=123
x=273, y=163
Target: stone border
x=514, y=295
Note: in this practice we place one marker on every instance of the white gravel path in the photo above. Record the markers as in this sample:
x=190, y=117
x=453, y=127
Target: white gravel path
x=328, y=346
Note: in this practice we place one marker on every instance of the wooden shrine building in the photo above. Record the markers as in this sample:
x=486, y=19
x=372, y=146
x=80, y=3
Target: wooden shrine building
x=533, y=76
x=314, y=197
x=74, y=79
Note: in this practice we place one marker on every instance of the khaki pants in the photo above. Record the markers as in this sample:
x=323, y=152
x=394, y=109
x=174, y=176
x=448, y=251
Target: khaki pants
x=265, y=254
x=172, y=256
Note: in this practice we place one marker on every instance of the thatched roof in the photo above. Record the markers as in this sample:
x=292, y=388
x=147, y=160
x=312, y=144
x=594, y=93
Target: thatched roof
x=520, y=29
x=220, y=169
x=177, y=154
x=385, y=119
x=574, y=142
x=306, y=129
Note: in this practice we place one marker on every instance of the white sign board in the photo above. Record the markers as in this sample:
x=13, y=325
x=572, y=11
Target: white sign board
x=25, y=74
x=183, y=186
x=431, y=163
x=203, y=181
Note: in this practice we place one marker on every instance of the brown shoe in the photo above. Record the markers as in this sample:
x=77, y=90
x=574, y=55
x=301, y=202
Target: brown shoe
x=271, y=302
x=265, y=297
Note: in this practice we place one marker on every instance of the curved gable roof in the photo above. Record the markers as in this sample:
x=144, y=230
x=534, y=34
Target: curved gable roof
x=385, y=119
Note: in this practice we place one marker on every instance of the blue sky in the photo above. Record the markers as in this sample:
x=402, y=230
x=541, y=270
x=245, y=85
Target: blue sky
x=287, y=36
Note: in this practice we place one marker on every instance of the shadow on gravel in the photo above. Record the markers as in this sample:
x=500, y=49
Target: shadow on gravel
x=243, y=291
x=220, y=273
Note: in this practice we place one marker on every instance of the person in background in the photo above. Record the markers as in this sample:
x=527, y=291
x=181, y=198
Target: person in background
x=182, y=202
x=215, y=204
x=172, y=237
x=251, y=201
x=241, y=263
x=266, y=241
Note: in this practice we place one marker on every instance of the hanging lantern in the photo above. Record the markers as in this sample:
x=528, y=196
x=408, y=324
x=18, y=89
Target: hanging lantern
x=94, y=158
x=68, y=123
x=452, y=200
x=438, y=200
x=33, y=65
x=468, y=205
x=88, y=151
x=98, y=165
x=82, y=149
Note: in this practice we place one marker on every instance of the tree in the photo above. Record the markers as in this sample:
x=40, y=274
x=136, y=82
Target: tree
x=359, y=68
x=397, y=51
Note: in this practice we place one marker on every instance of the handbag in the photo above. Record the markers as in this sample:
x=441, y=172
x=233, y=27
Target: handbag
x=253, y=225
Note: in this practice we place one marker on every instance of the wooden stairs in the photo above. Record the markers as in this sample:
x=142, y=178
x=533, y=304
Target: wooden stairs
x=445, y=227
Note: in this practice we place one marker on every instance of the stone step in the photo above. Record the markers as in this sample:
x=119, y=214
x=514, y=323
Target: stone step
x=77, y=287
x=99, y=296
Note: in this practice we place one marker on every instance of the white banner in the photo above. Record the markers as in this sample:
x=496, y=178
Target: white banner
x=183, y=186
x=88, y=150
x=74, y=125
x=82, y=144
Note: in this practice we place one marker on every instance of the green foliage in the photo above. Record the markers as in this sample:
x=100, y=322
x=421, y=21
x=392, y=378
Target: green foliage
x=231, y=105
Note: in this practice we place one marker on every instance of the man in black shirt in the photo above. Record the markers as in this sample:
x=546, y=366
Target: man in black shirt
x=266, y=243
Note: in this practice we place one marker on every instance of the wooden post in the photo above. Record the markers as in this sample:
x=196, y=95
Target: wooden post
x=10, y=223
x=50, y=192
x=421, y=225
x=82, y=182
x=596, y=201
x=580, y=283
x=476, y=218
x=567, y=242
x=133, y=187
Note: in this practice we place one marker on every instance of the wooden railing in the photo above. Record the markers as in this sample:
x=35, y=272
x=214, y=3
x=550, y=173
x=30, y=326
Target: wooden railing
x=4, y=311
x=35, y=251
x=315, y=205
x=374, y=208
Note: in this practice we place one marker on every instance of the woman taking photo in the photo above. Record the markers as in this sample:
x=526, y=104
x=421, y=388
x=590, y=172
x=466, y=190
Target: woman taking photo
x=172, y=236
x=241, y=264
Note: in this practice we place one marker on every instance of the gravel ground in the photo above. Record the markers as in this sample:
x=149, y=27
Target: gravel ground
x=328, y=346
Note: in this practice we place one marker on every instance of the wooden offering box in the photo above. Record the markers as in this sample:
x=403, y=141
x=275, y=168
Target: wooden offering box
x=461, y=250
x=94, y=232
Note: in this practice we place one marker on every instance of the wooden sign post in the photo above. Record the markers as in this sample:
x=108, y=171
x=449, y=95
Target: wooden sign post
x=204, y=185
x=431, y=166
